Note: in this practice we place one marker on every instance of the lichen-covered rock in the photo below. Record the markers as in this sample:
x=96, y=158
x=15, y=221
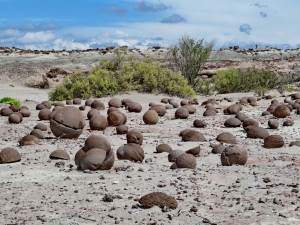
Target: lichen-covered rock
x=234, y=154
x=163, y=148
x=181, y=113
x=59, y=154
x=9, y=155
x=159, y=199
x=67, y=123
x=98, y=122
x=151, y=117
x=226, y=137
x=193, y=135
x=134, y=136
x=273, y=141
x=132, y=151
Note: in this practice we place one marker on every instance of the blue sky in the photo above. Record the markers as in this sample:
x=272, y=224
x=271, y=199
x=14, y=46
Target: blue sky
x=82, y=24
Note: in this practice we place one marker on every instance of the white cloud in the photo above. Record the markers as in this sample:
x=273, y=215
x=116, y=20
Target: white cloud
x=36, y=37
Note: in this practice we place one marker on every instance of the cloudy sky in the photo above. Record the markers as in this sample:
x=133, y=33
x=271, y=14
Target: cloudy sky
x=82, y=24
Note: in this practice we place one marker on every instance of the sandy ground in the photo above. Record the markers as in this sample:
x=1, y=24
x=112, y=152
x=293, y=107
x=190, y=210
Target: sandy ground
x=35, y=191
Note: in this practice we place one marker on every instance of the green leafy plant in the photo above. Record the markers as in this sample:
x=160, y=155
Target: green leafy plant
x=11, y=101
x=122, y=74
x=190, y=55
x=11, y=85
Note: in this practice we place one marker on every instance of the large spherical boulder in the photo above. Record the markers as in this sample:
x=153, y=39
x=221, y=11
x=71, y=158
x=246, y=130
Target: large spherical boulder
x=25, y=112
x=273, y=141
x=257, y=132
x=134, y=136
x=232, y=122
x=116, y=118
x=115, y=102
x=67, y=123
x=96, y=104
x=281, y=111
x=9, y=155
x=193, y=135
x=59, y=154
x=185, y=161
x=160, y=109
x=163, y=148
x=234, y=154
x=14, y=118
x=134, y=107
x=76, y=101
x=98, y=122
x=182, y=113
x=132, y=151
x=159, y=199
x=151, y=117
x=226, y=137
x=96, y=141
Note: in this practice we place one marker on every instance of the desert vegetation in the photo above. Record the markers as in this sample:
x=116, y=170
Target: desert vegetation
x=11, y=101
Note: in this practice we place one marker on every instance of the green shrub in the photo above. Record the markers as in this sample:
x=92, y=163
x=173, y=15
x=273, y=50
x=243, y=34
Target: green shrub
x=123, y=74
x=244, y=80
x=11, y=101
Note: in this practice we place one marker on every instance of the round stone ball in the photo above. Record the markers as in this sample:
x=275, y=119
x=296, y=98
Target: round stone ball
x=88, y=102
x=234, y=155
x=232, y=122
x=92, y=112
x=134, y=136
x=59, y=154
x=273, y=141
x=116, y=118
x=134, y=107
x=115, y=102
x=38, y=133
x=44, y=114
x=25, y=112
x=199, y=123
x=226, y=137
x=122, y=129
x=273, y=123
x=14, y=118
x=185, y=161
x=182, y=113
x=6, y=111
x=41, y=126
x=173, y=155
x=96, y=104
x=282, y=111
x=193, y=135
x=29, y=140
x=9, y=155
x=76, y=101
x=257, y=132
x=163, y=148
x=151, y=117
x=96, y=141
x=132, y=151
x=98, y=122
x=160, y=109
x=67, y=123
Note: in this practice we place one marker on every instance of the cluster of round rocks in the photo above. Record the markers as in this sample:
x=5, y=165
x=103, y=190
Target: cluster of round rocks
x=67, y=121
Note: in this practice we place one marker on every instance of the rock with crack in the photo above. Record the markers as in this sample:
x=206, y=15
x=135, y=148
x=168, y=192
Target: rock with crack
x=67, y=123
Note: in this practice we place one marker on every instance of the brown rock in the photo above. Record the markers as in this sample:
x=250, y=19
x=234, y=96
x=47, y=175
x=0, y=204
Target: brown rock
x=151, y=117
x=59, y=154
x=184, y=102
x=190, y=108
x=193, y=135
x=185, y=161
x=44, y=114
x=159, y=199
x=98, y=122
x=163, y=148
x=234, y=154
x=273, y=124
x=282, y=111
x=288, y=122
x=14, y=118
x=67, y=123
x=232, y=122
x=181, y=113
x=38, y=133
x=194, y=151
x=6, y=111
x=226, y=137
x=199, y=123
x=234, y=109
x=218, y=149
x=115, y=102
x=76, y=101
x=134, y=107
x=273, y=141
x=257, y=132
x=241, y=116
x=9, y=155
x=173, y=155
x=29, y=140
x=25, y=112
x=209, y=112
x=132, y=151
x=92, y=159
x=122, y=129
x=96, y=104
x=41, y=126
x=96, y=141
x=92, y=112
x=160, y=109
x=249, y=122
x=134, y=136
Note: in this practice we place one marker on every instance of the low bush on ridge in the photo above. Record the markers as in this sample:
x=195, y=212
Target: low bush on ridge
x=120, y=75
x=245, y=80
x=11, y=101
